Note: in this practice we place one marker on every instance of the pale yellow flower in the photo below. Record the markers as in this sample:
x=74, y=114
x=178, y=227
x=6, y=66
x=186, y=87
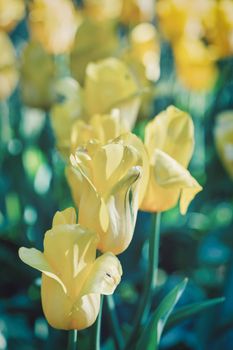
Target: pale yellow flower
x=169, y=140
x=110, y=84
x=53, y=23
x=72, y=278
x=223, y=134
x=136, y=11
x=38, y=74
x=102, y=9
x=66, y=111
x=8, y=69
x=195, y=64
x=105, y=181
x=93, y=41
x=11, y=12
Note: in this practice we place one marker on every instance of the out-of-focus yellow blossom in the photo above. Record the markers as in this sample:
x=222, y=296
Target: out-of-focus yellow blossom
x=11, y=12
x=102, y=9
x=223, y=133
x=136, y=11
x=66, y=111
x=110, y=84
x=8, y=71
x=105, y=181
x=169, y=140
x=219, y=27
x=53, y=23
x=93, y=41
x=101, y=128
x=195, y=64
x=72, y=278
x=37, y=85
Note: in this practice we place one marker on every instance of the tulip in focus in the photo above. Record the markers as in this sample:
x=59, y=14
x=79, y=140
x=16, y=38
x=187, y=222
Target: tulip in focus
x=223, y=134
x=169, y=140
x=72, y=277
x=105, y=181
x=8, y=69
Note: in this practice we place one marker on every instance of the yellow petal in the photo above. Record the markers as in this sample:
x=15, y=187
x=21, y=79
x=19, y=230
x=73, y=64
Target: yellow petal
x=104, y=276
x=11, y=12
x=172, y=131
x=37, y=260
x=64, y=312
x=107, y=84
x=67, y=216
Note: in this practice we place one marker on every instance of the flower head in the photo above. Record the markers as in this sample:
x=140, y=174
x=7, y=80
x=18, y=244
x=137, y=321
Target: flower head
x=72, y=278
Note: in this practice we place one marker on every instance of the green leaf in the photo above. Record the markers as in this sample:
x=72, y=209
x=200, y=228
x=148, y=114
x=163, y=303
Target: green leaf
x=152, y=332
x=191, y=310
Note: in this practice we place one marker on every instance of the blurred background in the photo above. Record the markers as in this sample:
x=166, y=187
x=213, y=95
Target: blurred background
x=180, y=52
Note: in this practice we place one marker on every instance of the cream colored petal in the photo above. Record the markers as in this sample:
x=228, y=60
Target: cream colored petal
x=38, y=261
x=122, y=207
x=67, y=312
x=172, y=131
x=67, y=216
x=104, y=276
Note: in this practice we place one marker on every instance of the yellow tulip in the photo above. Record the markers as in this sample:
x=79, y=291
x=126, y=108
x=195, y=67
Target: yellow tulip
x=195, y=64
x=105, y=181
x=66, y=111
x=169, y=140
x=134, y=11
x=93, y=41
x=110, y=84
x=101, y=128
x=11, y=12
x=72, y=278
x=37, y=85
x=223, y=134
x=102, y=9
x=53, y=23
x=8, y=71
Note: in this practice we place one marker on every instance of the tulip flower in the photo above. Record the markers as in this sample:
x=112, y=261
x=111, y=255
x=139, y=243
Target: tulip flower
x=11, y=12
x=105, y=181
x=110, y=84
x=134, y=12
x=8, y=71
x=223, y=134
x=72, y=278
x=195, y=64
x=66, y=111
x=93, y=41
x=53, y=23
x=169, y=141
x=37, y=85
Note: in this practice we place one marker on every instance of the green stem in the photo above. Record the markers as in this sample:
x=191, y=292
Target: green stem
x=72, y=341
x=97, y=329
x=151, y=279
x=117, y=336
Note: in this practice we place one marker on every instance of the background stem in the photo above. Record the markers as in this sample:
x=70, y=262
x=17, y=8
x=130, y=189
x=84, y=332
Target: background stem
x=72, y=340
x=115, y=327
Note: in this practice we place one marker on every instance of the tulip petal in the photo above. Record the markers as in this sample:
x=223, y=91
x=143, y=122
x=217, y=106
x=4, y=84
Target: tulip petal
x=37, y=260
x=104, y=276
x=67, y=216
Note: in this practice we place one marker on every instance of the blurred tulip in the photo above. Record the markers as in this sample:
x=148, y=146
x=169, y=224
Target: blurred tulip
x=37, y=85
x=93, y=41
x=67, y=110
x=195, y=64
x=219, y=27
x=102, y=9
x=223, y=134
x=72, y=278
x=53, y=23
x=8, y=71
x=110, y=84
x=11, y=12
x=136, y=11
x=169, y=140
x=104, y=181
